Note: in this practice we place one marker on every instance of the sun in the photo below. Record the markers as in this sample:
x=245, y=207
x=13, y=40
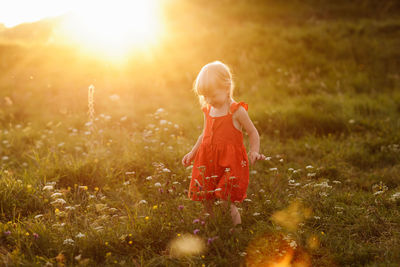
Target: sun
x=113, y=28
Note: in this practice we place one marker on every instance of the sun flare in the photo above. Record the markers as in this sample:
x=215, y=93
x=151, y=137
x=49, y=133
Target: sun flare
x=113, y=28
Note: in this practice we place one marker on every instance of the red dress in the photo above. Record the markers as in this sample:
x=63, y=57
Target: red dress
x=221, y=166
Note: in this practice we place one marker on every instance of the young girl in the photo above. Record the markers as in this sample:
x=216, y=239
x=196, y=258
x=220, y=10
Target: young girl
x=221, y=165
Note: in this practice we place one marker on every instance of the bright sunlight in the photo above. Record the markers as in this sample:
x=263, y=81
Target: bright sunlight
x=113, y=28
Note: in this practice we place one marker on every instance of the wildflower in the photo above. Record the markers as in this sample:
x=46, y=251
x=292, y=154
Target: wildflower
x=146, y=218
x=196, y=231
x=7, y=232
x=211, y=239
x=149, y=178
x=56, y=195
x=242, y=254
x=35, y=235
x=108, y=254
x=48, y=188
x=155, y=207
x=83, y=187
x=157, y=184
x=273, y=169
x=256, y=214
x=163, y=122
x=178, y=235
x=247, y=199
x=166, y=170
x=309, y=167
x=80, y=235
x=196, y=220
x=395, y=196
x=38, y=216
x=58, y=201
x=68, y=241
x=268, y=158
x=160, y=110
x=130, y=173
x=142, y=201
x=180, y=207
x=96, y=189
x=27, y=234
x=323, y=185
x=311, y=174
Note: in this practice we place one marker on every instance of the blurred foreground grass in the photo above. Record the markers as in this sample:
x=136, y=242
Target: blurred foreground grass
x=321, y=80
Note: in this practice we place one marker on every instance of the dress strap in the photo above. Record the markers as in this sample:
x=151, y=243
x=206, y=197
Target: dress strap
x=206, y=109
x=235, y=106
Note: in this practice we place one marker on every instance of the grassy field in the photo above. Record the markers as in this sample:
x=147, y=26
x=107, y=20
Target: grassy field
x=322, y=82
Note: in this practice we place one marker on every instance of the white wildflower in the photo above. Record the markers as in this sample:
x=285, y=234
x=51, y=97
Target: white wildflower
x=130, y=173
x=48, y=188
x=323, y=194
x=160, y=110
x=38, y=216
x=58, y=201
x=395, y=196
x=336, y=182
x=352, y=121
x=56, y=195
x=268, y=158
x=261, y=190
x=311, y=174
x=242, y=254
x=323, y=185
x=163, y=122
x=256, y=214
x=68, y=241
x=157, y=185
x=309, y=167
x=149, y=178
x=5, y=158
x=247, y=199
x=166, y=170
x=80, y=235
x=70, y=208
x=317, y=217
x=126, y=183
x=293, y=244
x=124, y=118
x=273, y=169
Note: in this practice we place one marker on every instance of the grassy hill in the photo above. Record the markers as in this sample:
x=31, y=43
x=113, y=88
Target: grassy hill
x=322, y=82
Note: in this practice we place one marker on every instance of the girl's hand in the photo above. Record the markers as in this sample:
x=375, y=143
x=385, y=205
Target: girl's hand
x=253, y=156
x=188, y=158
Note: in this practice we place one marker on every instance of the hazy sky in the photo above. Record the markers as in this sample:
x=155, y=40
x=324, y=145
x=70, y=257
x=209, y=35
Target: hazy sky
x=14, y=12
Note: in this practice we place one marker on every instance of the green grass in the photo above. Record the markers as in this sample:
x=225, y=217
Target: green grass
x=322, y=82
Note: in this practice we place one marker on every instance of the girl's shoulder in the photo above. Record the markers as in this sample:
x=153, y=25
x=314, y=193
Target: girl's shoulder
x=236, y=105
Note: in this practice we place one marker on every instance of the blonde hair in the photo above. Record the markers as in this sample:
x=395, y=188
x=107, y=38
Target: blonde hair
x=213, y=76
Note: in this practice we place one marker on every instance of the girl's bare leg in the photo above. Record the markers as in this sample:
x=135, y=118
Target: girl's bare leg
x=236, y=219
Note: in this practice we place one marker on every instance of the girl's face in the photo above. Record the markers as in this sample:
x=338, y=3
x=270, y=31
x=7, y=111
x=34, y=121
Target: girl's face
x=217, y=98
